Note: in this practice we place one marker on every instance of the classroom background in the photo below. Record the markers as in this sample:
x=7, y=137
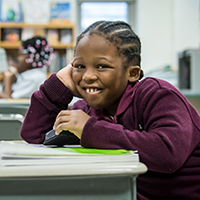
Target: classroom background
x=169, y=31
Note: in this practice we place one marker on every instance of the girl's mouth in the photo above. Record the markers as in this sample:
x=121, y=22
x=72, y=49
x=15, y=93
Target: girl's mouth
x=92, y=90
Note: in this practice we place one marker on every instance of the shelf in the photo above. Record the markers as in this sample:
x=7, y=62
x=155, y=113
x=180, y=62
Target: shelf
x=16, y=45
x=24, y=25
x=10, y=45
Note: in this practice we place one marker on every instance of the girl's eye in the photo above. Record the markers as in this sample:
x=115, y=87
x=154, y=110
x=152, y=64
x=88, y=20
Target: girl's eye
x=102, y=67
x=79, y=66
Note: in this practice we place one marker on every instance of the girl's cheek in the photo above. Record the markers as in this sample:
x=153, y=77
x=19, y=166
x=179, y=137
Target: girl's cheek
x=74, y=74
x=77, y=74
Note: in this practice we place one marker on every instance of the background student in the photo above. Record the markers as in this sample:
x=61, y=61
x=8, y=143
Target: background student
x=118, y=111
x=28, y=73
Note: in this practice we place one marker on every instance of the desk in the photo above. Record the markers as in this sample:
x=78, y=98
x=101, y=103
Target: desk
x=15, y=102
x=26, y=102
x=12, y=113
x=193, y=98
x=73, y=182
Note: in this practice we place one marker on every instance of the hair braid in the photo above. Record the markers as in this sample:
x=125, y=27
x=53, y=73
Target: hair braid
x=121, y=36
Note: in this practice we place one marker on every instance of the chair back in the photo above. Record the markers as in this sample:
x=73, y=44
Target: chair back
x=11, y=118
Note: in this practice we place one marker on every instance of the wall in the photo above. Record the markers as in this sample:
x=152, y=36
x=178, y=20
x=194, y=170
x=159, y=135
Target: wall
x=166, y=27
x=185, y=26
x=154, y=24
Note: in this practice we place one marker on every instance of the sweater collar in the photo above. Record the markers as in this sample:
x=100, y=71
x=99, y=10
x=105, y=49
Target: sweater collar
x=126, y=98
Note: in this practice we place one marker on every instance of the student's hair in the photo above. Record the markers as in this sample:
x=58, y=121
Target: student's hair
x=121, y=35
x=38, y=50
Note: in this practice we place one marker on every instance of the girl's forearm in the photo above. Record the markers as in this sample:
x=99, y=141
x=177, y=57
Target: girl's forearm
x=8, y=85
x=4, y=95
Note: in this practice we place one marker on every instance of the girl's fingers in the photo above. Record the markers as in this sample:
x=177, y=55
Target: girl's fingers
x=63, y=113
x=60, y=128
x=63, y=117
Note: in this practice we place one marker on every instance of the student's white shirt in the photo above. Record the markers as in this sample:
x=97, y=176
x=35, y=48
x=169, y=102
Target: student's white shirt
x=28, y=82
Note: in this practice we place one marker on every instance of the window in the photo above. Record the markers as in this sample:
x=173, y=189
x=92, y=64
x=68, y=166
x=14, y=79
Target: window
x=94, y=11
x=91, y=11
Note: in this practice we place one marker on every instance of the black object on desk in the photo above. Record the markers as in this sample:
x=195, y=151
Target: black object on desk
x=65, y=138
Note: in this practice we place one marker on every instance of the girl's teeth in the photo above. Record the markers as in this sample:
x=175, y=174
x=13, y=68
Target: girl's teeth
x=91, y=90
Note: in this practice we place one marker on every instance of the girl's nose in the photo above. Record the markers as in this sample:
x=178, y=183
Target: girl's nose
x=89, y=75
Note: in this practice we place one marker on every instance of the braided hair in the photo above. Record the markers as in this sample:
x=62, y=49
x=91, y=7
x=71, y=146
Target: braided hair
x=38, y=50
x=121, y=35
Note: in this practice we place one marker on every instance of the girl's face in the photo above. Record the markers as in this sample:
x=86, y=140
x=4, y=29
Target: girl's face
x=22, y=64
x=98, y=73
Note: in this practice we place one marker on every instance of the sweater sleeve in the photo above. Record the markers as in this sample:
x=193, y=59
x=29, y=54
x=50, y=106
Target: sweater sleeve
x=46, y=103
x=160, y=128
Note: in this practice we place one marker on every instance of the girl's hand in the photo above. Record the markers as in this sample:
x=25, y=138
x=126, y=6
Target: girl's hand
x=65, y=75
x=9, y=79
x=71, y=120
x=10, y=72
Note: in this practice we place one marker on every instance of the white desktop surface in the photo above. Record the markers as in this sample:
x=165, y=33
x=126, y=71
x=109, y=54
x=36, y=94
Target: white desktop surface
x=15, y=101
x=74, y=170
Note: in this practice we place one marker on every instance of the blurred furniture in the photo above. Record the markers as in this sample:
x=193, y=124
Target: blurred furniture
x=189, y=71
x=39, y=29
x=14, y=102
x=11, y=118
x=194, y=99
x=3, y=62
x=63, y=45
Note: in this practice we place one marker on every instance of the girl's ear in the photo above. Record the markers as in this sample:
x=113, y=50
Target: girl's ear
x=133, y=73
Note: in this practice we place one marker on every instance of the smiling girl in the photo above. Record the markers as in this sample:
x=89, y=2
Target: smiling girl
x=118, y=111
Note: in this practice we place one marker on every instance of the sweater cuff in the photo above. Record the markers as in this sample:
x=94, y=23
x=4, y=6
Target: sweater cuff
x=88, y=137
x=56, y=90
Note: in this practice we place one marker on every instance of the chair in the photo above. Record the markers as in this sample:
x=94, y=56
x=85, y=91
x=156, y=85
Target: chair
x=11, y=118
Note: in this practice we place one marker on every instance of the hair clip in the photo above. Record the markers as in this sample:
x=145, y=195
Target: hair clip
x=34, y=64
x=38, y=41
x=29, y=60
x=39, y=64
x=37, y=55
x=43, y=42
x=32, y=50
x=37, y=46
x=32, y=55
x=25, y=51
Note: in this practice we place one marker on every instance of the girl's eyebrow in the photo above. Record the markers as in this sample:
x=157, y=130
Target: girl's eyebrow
x=77, y=58
x=98, y=58
x=103, y=58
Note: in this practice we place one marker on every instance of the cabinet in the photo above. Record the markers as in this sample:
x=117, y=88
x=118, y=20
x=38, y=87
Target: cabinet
x=194, y=99
x=11, y=47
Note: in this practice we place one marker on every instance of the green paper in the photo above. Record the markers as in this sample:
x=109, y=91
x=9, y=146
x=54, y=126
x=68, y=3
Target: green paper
x=96, y=151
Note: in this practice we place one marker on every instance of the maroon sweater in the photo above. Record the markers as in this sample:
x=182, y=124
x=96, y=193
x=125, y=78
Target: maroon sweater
x=153, y=117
